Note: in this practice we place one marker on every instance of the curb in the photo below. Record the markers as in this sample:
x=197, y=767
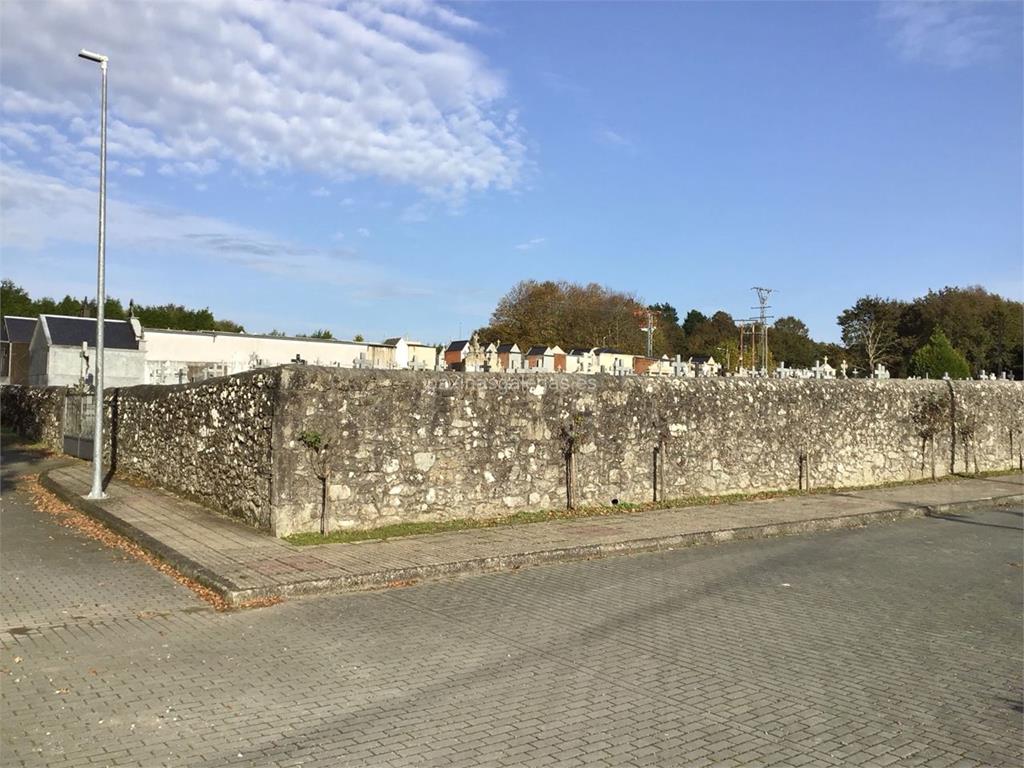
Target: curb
x=189, y=567
x=236, y=594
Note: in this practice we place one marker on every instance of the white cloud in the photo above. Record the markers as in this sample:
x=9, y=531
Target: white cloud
x=39, y=213
x=529, y=245
x=949, y=34
x=321, y=192
x=363, y=232
x=377, y=89
x=612, y=138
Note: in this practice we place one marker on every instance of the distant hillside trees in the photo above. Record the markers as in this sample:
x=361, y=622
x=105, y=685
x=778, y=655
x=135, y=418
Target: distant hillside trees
x=15, y=300
x=984, y=327
x=987, y=329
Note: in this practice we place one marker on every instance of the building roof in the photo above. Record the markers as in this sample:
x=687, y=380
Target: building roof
x=503, y=348
x=538, y=349
x=17, y=329
x=701, y=358
x=608, y=351
x=458, y=346
x=392, y=342
x=72, y=331
x=579, y=351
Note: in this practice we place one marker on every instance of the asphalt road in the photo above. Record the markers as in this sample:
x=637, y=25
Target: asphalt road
x=891, y=645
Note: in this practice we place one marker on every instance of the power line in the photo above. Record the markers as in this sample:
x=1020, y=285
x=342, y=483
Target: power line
x=763, y=317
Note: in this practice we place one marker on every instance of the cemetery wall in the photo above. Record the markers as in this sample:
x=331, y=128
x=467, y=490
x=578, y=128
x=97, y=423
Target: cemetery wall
x=407, y=446
x=416, y=445
x=35, y=413
x=209, y=441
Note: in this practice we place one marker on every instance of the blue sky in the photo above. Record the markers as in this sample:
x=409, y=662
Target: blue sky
x=394, y=168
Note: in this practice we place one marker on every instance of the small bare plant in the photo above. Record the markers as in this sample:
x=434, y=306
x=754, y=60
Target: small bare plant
x=571, y=434
x=929, y=415
x=319, y=452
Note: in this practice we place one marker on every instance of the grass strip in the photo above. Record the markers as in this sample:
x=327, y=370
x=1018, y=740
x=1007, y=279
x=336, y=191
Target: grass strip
x=397, y=530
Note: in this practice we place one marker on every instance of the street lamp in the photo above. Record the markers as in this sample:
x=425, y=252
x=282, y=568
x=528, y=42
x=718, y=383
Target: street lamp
x=101, y=299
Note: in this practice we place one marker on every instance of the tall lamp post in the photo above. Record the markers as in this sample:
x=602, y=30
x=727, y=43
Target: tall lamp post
x=101, y=298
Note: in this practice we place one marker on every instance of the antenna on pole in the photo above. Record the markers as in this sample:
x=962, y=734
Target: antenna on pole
x=763, y=318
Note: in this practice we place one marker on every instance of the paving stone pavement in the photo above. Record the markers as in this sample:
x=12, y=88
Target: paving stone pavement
x=888, y=645
x=241, y=563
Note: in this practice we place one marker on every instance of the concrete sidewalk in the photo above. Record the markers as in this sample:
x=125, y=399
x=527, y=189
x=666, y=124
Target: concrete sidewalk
x=243, y=564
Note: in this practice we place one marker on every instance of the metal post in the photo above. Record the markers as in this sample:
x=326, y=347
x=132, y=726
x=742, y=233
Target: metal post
x=101, y=298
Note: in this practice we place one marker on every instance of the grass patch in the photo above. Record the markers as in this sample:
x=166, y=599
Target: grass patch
x=526, y=517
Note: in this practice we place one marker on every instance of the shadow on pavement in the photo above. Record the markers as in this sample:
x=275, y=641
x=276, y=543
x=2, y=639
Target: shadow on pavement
x=951, y=518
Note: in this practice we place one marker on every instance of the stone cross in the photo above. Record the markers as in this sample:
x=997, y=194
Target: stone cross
x=680, y=367
x=842, y=367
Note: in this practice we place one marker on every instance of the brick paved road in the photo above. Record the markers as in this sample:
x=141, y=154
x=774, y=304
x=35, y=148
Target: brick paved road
x=893, y=645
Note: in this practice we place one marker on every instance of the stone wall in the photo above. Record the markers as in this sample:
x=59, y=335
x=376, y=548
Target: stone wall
x=429, y=446
x=989, y=426
x=36, y=413
x=407, y=445
x=209, y=441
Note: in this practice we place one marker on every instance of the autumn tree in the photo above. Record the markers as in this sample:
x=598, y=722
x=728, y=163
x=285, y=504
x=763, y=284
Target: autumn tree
x=567, y=314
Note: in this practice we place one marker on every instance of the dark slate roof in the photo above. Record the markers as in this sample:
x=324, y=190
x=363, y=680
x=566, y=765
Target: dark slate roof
x=506, y=347
x=17, y=329
x=579, y=351
x=539, y=349
x=458, y=346
x=700, y=358
x=72, y=331
x=392, y=342
x=608, y=351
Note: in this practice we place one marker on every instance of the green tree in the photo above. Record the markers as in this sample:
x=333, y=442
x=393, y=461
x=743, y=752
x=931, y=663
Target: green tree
x=668, y=338
x=693, y=320
x=937, y=358
x=714, y=332
x=14, y=300
x=790, y=342
x=869, y=330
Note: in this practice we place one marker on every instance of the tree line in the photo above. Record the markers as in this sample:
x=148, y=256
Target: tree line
x=16, y=301
x=981, y=328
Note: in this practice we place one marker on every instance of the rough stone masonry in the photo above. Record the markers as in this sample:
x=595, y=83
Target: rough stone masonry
x=408, y=446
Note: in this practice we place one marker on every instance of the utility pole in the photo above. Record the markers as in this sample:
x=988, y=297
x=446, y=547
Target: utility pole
x=101, y=299
x=650, y=333
x=649, y=328
x=763, y=317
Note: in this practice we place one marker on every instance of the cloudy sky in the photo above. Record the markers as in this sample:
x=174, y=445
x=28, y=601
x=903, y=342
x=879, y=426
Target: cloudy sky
x=394, y=167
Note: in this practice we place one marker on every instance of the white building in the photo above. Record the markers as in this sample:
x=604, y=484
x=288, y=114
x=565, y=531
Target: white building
x=62, y=352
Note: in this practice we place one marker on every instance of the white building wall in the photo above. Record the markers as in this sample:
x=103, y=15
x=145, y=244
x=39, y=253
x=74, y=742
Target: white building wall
x=422, y=356
x=121, y=367
x=220, y=354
